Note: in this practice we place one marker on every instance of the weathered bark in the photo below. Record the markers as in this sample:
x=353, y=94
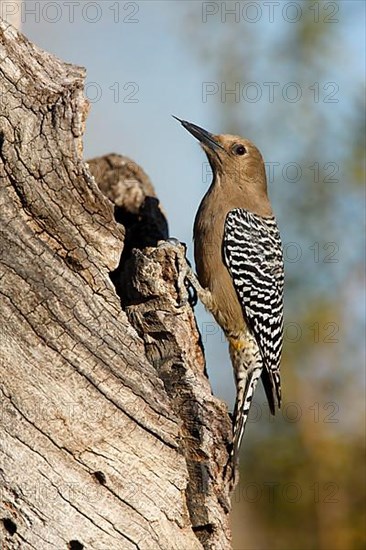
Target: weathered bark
x=110, y=436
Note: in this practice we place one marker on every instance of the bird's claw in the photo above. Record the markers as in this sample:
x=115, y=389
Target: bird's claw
x=192, y=295
x=186, y=292
x=174, y=241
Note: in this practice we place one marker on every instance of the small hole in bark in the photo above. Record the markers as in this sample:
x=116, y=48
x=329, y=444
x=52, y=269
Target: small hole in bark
x=208, y=528
x=73, y=263
x=75, y=545
x=10, y=526
x=99, y=476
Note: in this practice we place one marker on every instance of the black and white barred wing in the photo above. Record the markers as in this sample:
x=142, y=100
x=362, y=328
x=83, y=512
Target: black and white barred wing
x=253, y=255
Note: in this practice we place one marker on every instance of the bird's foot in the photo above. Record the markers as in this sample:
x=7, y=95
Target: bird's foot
x=189, y=277
x=185, y=290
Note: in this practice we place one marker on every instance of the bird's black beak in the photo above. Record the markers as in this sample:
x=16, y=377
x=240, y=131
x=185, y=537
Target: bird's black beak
x=202, y=135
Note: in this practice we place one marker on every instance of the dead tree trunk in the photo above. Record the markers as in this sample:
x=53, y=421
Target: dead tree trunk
x=110, y=436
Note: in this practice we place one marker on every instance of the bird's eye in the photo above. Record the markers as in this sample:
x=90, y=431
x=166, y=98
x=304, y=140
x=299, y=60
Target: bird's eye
x=239, y=150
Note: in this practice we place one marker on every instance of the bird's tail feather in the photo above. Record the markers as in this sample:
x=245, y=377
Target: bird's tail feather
x=248, y=365
x=246, y=382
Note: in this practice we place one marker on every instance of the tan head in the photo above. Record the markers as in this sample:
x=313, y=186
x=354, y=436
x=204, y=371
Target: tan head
x=238, y=169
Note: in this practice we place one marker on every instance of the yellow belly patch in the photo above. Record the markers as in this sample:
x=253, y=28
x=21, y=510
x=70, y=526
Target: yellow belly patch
x=238, y=343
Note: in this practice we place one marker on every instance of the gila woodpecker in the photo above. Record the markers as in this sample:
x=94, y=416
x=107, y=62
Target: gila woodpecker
x=238, y=256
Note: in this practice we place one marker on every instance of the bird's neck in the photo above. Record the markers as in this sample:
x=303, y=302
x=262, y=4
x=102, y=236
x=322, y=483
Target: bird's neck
x=228, y=194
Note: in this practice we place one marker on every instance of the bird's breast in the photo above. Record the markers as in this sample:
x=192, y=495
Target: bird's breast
x=211, y=270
